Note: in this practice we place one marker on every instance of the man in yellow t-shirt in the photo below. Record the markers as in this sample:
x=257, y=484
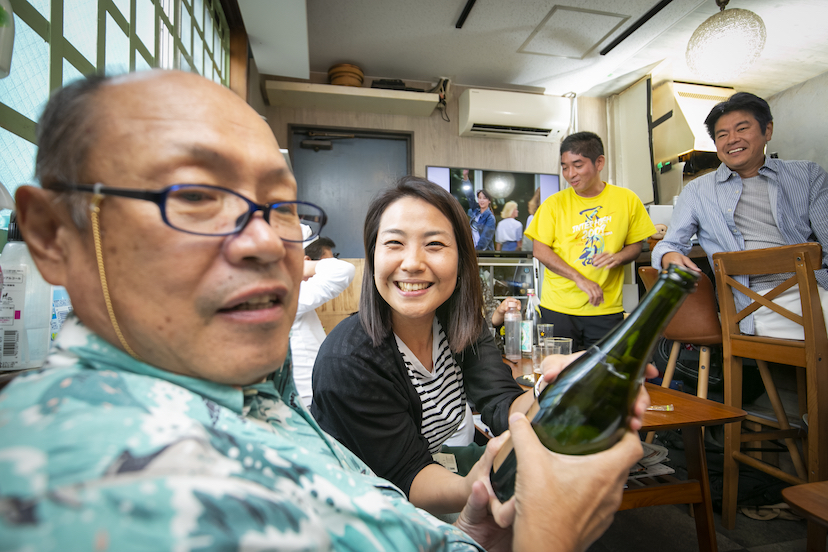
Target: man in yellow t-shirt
x=584, y=235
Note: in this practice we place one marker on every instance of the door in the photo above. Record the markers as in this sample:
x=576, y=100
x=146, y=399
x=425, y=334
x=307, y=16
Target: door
x=341, y=170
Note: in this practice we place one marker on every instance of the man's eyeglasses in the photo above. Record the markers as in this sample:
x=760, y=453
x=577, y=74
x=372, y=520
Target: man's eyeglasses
x=214, y=211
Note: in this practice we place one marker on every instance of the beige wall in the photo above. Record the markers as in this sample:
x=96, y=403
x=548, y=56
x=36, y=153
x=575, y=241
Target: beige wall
x=800, y=121
x=435, y=142
x=592, y=116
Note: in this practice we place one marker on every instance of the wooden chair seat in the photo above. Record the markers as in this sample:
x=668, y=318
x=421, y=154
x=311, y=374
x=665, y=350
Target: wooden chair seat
x=810, y=356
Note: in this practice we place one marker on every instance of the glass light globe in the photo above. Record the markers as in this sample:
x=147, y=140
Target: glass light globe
x=726, y=44
x=499, y=185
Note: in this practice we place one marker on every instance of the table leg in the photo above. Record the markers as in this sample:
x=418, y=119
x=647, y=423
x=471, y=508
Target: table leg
x=816, y=537
x=697, y=469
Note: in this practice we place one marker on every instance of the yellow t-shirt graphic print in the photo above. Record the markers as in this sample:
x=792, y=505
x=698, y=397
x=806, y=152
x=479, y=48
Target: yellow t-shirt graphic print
x=579, y=228
x=592, y=233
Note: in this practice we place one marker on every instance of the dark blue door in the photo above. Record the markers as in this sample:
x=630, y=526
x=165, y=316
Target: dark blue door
x=344, y=179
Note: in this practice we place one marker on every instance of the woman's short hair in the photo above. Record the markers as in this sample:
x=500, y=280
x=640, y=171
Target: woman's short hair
x=508, y=209
x=461, y=315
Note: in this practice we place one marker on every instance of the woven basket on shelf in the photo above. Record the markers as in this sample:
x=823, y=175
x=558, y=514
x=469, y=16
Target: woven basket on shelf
x=345, y=74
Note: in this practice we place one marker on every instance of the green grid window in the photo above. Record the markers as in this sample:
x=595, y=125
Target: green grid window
x=57, y=41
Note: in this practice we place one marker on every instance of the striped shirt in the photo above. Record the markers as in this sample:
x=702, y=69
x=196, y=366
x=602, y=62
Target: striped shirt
x=441, y=390
x=798, y=202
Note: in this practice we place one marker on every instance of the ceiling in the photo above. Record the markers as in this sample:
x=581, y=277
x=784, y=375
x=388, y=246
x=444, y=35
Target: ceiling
x=545, y=45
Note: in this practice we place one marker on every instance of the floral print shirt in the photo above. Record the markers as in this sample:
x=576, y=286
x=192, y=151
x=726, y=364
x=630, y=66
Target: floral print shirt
x=99, y=451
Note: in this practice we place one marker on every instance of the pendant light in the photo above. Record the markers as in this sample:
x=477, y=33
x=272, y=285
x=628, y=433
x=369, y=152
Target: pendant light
x=726, y=44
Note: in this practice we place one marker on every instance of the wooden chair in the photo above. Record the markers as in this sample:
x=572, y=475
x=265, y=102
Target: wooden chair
x=696, y=322
x=810, y=355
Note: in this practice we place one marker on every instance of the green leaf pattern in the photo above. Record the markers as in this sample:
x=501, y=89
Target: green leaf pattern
x=99, y=448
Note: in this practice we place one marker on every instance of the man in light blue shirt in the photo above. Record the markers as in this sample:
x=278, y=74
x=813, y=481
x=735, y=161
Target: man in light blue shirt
x=751, y=202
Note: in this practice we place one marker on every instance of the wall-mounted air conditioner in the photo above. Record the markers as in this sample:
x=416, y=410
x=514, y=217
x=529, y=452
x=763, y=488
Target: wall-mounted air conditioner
x=516, y=115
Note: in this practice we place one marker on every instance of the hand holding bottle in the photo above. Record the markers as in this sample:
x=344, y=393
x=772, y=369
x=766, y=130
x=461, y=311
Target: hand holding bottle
x=502, y=309
x=553, y=365
x=565, y=502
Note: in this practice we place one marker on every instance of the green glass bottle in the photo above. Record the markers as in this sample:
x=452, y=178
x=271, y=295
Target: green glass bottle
x=586, y=409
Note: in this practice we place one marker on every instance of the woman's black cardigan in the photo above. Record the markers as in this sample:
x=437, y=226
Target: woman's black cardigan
x=363, y=397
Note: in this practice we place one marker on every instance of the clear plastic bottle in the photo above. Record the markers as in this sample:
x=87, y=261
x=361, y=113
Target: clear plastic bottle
x=26, y=306
x=512, y=326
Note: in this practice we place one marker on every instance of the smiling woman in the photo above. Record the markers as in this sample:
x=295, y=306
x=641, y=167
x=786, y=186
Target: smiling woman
x=394, y=383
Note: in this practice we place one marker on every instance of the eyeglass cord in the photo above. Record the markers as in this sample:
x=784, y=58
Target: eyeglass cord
x=95, y=211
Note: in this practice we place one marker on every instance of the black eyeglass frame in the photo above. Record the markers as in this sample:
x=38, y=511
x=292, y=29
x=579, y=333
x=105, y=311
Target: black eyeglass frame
x=159, y=197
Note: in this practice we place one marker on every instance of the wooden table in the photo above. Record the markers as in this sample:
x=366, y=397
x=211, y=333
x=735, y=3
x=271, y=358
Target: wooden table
x=689, y=414
x=811, y=502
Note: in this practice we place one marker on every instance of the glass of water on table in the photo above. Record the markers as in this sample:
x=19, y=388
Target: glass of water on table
x=549, y=346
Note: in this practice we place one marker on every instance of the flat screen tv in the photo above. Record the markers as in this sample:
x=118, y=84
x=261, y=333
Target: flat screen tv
x=503, y=186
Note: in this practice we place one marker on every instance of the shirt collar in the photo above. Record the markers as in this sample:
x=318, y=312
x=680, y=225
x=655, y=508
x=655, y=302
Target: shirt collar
x=723, y=173
x=76, y=343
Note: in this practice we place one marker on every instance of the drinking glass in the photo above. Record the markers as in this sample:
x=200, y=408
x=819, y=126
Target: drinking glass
x=545, y=332
x=537, y=358
x=557, y=346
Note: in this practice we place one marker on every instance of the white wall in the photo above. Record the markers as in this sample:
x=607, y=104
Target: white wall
x=800, y=120
x=592, y=116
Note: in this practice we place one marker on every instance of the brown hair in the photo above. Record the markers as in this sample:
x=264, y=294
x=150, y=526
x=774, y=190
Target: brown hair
x=460, y=315
x=534, y=203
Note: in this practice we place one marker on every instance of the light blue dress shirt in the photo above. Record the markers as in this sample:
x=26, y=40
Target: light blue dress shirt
x=798, y=193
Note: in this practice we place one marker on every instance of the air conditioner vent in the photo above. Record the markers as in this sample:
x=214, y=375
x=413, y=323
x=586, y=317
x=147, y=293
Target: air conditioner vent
x=513, y=115
x=518, y=131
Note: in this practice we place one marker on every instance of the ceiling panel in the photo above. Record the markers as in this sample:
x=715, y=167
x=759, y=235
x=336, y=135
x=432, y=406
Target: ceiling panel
x=553, y=45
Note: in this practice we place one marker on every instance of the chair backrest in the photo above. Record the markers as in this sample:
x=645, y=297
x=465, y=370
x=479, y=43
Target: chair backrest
x=800, y=259
x=697, y=320
x=812, y=353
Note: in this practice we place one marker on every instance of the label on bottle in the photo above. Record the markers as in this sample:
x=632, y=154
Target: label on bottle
x=11, y=316
x=526, y=327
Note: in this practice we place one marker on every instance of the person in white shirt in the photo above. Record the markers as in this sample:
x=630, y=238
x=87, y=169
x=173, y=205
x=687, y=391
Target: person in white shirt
x=325, y=277
x=509, y=233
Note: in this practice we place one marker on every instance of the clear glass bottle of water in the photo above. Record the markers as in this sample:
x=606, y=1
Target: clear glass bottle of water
x=512, y=327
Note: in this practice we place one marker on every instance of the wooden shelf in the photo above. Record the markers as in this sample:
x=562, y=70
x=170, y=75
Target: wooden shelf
x=350, y=98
